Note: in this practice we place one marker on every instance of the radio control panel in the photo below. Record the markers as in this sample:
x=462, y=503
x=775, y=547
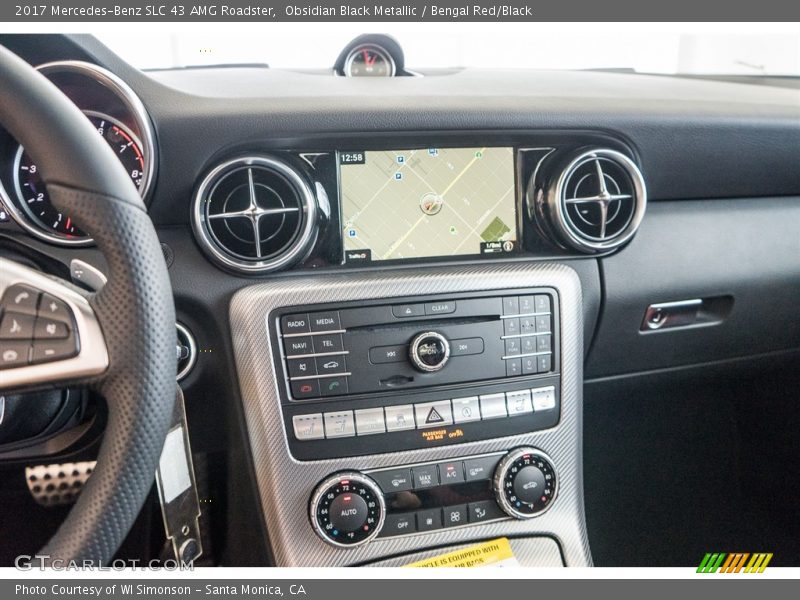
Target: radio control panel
x=371, y=377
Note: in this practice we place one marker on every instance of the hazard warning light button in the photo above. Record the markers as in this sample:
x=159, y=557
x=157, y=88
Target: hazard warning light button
x=434, y=414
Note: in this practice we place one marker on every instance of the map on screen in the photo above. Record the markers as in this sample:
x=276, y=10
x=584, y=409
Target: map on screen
x=430, y=202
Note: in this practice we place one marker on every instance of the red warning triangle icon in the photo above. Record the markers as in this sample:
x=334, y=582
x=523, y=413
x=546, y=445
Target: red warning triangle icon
x=434, y=416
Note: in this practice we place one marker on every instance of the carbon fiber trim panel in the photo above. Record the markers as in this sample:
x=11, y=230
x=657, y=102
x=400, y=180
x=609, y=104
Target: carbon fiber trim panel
x=530, y=552
x=285, y=483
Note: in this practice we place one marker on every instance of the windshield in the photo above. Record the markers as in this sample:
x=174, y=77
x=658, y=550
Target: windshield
x=757, y=49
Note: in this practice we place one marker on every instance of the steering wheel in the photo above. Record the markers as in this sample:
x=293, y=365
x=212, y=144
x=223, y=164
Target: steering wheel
x=121, y=340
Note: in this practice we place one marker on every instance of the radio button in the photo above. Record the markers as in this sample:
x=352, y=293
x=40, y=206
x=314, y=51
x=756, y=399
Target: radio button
x=370, y=421
x=396, y=480
x=466, y=347
x=434, y=414
x=440, y=308
x=513, y=367
x=425, y=477
x=519, y=403
x=305, y=388
x=297, y=346
x=327, y=365
x=466, y=410
x=387, y=354
x=333, y=386
x=493, y=406
x=399, y=418
x=331, y=342
x=308, y=427
x=295, y=324
x=325, y=321
x=403, y=311
x=301, y=367
x=339, y=424
x=511, y=305
x=529, y=365
x=451, y=472
x=544, y=398
x=478, y=469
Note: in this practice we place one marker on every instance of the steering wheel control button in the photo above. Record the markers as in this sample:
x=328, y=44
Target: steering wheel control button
x=294, y=324
x=404, y=311
x=325, y=321
x=399, y=418
x=50, y=329
x=370, y=421
x=466, y=410
x=51, y=307
x=519, y=403
x=429, y=351
x=46, y=350
x=396, y=480
x=434, y=414
x=14, y=354
x=308, y=427
x=525, y=483
x=440, y=308
x=493, y=406
x=347, y=509
x=20, y=298
x=16, y=326
x=340, y=424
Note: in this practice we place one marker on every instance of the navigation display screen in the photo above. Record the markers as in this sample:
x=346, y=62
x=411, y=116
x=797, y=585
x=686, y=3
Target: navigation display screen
x=432, y=202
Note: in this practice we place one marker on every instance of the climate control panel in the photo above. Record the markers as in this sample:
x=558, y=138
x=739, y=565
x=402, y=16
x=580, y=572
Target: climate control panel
x=350, y=508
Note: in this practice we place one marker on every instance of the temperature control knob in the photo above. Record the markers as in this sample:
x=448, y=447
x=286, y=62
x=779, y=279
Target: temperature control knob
x=525, y=483
x=347, y=509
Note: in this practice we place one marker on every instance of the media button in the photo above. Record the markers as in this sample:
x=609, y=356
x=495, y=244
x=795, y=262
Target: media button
x=295, y=324
x=305, y=388
x=403, y=311
x=399, y=418
x=466, y=410
x=325, y=321
x=440, y=308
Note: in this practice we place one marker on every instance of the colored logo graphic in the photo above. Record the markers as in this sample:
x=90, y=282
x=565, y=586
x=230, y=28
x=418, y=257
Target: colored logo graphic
x=735, y=562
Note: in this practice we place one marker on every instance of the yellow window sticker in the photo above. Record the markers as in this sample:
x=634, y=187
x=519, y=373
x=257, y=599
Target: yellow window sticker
x=495, y=553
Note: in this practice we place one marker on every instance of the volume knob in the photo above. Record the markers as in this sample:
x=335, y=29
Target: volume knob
x=525, y=483
x=347, y=509
x=429, y=351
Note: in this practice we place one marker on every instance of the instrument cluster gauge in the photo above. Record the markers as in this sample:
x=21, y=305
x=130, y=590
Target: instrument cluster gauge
x=118, y=116
x=369, y=60
x=33, y=197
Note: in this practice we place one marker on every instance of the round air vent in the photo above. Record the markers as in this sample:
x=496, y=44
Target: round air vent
x=255, y=214
x=598, y=201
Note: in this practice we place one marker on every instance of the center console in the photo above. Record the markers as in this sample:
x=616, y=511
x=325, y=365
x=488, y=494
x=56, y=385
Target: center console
x=397, y=410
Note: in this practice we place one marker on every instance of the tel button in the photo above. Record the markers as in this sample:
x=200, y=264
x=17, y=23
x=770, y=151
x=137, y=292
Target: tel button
x=21, y=299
